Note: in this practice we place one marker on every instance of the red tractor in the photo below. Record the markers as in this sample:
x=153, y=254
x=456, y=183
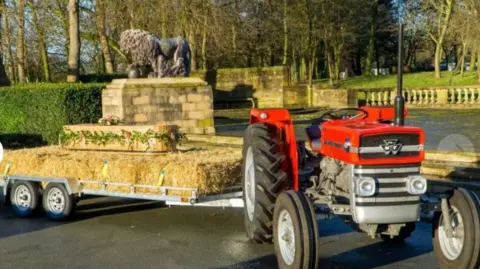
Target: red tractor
x=365, y=168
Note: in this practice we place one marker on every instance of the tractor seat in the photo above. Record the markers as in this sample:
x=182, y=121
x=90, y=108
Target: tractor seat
x=314, y=134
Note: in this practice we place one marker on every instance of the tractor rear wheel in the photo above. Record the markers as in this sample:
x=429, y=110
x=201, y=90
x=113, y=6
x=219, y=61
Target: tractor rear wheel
x=263, y=179
x=461, y=248
x=295, y=232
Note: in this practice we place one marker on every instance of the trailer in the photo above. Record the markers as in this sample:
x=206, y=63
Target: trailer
x=58, y=199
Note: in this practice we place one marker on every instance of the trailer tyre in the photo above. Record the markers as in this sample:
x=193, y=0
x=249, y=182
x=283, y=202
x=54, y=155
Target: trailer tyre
x=25, y=197
x=405, y=232
x=461, y=251
x=262, y=178
x=57, y=203
x=296, y=237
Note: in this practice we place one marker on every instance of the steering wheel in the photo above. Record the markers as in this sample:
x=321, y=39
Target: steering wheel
x=359, y=114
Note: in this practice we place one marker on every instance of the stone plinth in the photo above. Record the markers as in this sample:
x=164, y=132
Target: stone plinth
x=184, y=102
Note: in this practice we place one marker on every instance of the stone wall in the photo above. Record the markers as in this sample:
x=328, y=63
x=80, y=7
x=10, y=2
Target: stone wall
x=295, y=96
x=298, y=95
x=185, y=102
x=334, y=98
x=264, y=85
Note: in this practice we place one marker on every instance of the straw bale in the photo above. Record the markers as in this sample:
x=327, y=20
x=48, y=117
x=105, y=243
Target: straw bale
x=209, y=170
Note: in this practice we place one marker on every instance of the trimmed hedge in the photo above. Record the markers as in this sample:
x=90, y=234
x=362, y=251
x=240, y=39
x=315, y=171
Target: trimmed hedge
x=36, y=113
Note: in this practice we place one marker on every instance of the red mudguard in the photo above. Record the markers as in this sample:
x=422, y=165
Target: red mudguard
x=282, y=120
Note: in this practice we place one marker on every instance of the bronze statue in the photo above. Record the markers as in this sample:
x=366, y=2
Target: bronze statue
x=147, y=49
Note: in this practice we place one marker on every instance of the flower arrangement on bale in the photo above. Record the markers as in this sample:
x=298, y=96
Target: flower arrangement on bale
x=165, y=139
x=111, y=120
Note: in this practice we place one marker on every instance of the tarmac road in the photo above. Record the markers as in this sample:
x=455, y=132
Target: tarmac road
x=116, y=233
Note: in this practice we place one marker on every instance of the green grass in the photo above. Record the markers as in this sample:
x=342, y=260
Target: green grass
x=410, y=80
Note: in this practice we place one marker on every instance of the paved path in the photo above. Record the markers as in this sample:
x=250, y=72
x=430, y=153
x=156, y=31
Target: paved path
x=116, y=233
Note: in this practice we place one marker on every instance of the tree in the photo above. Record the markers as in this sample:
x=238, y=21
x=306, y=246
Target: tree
x=42, y=46
x=371, y=42
x=440, y=13
x=3, y=75
x=6, y=38
x=102, y=35
x=74, y=37
x=20, y=46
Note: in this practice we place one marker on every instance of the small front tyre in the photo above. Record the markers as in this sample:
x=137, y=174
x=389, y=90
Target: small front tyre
x=461, y=250
x=295, y=232
x=57, y=203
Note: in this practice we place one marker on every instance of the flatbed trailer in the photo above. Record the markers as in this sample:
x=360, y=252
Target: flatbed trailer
x=58, y=199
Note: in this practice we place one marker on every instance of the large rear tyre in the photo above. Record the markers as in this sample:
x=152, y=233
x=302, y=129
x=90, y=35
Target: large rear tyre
x=25, y=198
x=405, y=232
x=462, y=250
x=295, y=232
x=263, y=179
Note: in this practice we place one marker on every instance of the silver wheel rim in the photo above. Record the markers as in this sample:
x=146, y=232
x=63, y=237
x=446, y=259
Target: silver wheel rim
x=286, y=237
x=55, y=200
x=23, y=198
x=249, y=184
x=452, y=247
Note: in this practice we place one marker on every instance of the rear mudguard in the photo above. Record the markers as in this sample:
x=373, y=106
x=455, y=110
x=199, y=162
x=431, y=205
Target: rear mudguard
x=282, y=120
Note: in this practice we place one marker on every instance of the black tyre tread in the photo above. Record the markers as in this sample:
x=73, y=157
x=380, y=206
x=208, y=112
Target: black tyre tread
x=306, y=230
x=473, y=201
x=405, y=232
x=269, y=177
x=311, y=256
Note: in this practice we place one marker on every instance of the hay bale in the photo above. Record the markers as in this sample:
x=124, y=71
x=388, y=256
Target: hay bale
x=209, y=170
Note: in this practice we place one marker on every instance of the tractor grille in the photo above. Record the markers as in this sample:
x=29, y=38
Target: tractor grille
x=385, y=146
x=391, y=184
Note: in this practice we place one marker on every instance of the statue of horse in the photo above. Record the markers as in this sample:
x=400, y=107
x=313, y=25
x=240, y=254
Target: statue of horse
x=147, y=49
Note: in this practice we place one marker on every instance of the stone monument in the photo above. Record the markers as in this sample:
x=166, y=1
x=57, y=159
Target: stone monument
x=151, y=114
x=147, y=49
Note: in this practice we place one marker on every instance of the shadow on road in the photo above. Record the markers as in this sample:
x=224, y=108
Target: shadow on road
x=378, y=255
x=11, y=224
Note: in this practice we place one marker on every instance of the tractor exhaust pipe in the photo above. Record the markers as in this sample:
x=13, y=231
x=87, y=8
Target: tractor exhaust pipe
x=399, y=100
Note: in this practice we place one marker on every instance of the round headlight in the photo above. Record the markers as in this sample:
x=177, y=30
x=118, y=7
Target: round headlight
x=366, y=187
x=417, y=185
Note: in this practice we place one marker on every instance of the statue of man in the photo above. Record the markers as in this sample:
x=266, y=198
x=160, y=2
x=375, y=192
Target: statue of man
x=149, y=49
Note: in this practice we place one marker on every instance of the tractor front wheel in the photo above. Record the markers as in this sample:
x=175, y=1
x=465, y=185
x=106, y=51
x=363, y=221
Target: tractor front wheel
x=295, y=229
x=263, y=179
x=460, y=247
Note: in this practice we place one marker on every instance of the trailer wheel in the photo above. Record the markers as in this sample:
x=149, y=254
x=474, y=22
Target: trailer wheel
x=25, y=197
x=405, y=232
x=295, y=230
x=57, y=203
x=461, y=251
x=263, y=180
